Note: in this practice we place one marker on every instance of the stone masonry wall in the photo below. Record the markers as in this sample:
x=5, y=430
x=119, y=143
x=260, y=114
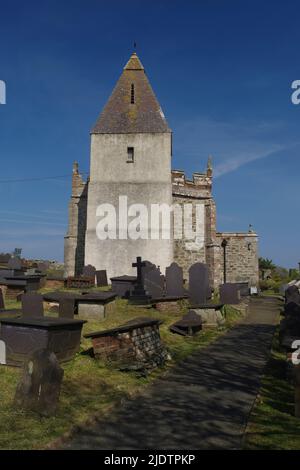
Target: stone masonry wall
x=241, y=257
x=138, y=345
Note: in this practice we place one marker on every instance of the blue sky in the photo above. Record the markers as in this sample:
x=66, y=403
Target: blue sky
x=222, y=72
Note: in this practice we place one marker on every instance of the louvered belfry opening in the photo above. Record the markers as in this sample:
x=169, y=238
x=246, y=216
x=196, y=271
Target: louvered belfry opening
x=132, y=98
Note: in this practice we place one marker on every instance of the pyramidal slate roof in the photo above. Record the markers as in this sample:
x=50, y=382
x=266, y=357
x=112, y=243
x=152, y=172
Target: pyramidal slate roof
x=132, y=106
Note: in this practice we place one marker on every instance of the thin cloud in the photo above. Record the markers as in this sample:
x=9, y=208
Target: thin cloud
x=231, y=143
x=234, y=163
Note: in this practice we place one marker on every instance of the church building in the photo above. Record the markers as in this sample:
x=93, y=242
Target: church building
x=131, y=154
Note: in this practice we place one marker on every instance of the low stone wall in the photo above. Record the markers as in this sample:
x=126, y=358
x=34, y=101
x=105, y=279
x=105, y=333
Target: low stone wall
x=137, y=342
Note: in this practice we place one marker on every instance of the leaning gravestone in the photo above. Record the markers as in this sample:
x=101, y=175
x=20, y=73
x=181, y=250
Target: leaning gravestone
x=101, y=278
x=2, y=304
x=174, y=281
x=198, y=284
x=230, y=294
x=154, y=283
x=189, y=324
x=32, y=305
x=39, y=387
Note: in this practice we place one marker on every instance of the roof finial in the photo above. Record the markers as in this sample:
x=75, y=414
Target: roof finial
x=75, y=168
x=209, y=170
x=134, y=46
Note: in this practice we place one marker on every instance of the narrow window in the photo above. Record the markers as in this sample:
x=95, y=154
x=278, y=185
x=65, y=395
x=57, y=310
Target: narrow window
x=130, y=154
x=132, y=94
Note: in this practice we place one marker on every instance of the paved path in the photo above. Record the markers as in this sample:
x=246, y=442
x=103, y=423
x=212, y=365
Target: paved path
x=202, y=403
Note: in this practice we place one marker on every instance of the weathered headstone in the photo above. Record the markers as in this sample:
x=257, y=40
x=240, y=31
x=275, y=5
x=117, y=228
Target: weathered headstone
x=147, y=266
x=2, y=353
x=174, y=281
x=39, y=387
x=32, y=305
x=198, y=284
x=230, y=294
x=89, y=271
x=101, y=278
x=154, y=283
x=66, y=308
x=2, y=304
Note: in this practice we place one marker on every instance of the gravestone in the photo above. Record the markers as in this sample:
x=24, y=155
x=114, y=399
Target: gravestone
x=101, y=278
x=174, y=281
x=14, y=263
x=66, y=308
x=154, y=283
x=39, y=387
x=2, y=353
x=292, y=294
x=138, y=294
x=147, y=266
x=89, y=271
x=230, y=294
x=32, y=305
x=189, y=324
x=198, y=284
x=2, y=304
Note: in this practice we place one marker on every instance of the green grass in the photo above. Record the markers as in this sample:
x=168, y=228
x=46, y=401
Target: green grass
x=90, y=387
x=272, y=424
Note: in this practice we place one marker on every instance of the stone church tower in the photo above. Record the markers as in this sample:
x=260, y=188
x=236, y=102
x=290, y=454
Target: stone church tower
x=131, y=158
x=131, y=145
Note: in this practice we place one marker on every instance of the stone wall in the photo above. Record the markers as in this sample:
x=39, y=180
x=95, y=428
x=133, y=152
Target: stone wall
x=138, y=345
x=197, y=193
x=241, y=257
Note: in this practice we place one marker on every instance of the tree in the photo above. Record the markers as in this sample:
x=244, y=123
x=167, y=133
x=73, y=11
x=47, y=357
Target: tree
x=265, y=263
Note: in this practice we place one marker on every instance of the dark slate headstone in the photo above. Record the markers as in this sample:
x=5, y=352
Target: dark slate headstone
x=32, y=305
x=101, y=278
x=198, y=284
x=14, y=263
x=89, y=271
x=230, y=293
x=154, y=283
x=2, y=304
x=67, y=308
x=40, y=384
x=147, y=266
x=174, y=281
x=292, y=294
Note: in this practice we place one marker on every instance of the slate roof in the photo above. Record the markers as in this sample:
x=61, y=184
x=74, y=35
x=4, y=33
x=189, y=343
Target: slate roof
x=120, y=116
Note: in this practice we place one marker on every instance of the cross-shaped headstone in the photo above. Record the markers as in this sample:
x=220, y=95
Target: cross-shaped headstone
x=139, y=265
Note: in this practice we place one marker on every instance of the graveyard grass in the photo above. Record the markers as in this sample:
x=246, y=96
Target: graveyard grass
x=91, y=387
x=272, y=424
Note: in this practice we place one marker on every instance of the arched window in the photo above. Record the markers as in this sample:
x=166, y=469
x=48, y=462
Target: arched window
x=132, y=94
